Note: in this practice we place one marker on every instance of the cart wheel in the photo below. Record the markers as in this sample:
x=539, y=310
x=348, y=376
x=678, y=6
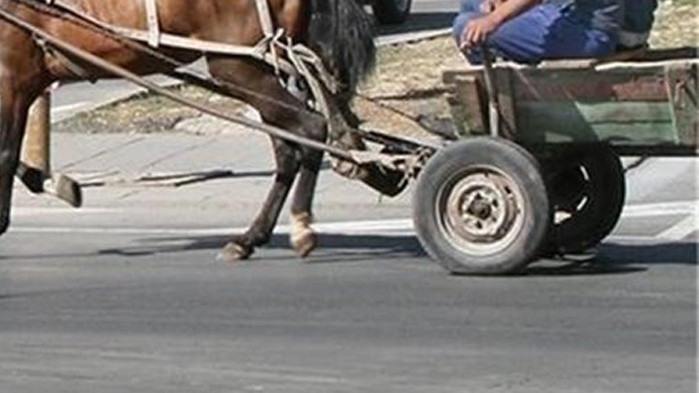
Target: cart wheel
x=391, y=11
x=587, y=191
x=481, y=207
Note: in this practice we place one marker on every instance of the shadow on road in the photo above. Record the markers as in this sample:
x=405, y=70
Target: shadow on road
x=651, y=254
x=561, y=268
x=622, y=259
x=420, y=22
x=340, y=248
x=344, y=246
x=612, y=259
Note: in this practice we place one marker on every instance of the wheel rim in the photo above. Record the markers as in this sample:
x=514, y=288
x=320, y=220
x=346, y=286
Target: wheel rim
x=480, y=210
x=588, y=197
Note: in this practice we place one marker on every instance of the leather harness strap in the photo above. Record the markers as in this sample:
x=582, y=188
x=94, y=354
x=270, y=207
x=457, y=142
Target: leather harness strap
x=265, y=17
x=155, y=35
x=153, y=23
x=260, y=51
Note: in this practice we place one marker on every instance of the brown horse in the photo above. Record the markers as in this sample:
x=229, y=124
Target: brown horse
x=338, y=29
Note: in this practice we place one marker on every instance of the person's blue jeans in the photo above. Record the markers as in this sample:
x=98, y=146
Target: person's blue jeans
x=546, y=31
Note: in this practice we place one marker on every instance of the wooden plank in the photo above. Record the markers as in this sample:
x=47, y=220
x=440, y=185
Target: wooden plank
x=506, y=99
x=559, y=122
x=599, y=112
x=590, y=85
x=579, y=64
x=467, y=106
x=667, y=54
x=683, y=87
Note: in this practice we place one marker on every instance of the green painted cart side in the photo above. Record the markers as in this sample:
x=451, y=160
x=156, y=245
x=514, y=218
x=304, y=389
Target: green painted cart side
x=645, y=105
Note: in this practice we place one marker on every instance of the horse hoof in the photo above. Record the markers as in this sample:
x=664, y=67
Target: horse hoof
x=66, y=189
x=304, y=243
x=302, y=237
x=234, y=252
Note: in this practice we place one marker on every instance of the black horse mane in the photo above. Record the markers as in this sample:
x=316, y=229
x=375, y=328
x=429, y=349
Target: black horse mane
x=343, y=35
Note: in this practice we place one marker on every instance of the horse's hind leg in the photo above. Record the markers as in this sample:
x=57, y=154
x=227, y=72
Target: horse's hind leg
x=289, y=158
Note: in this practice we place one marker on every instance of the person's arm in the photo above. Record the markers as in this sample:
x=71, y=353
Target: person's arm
x=478, y=30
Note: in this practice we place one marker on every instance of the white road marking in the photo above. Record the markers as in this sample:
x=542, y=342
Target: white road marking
x=681, y=230
x=46, y=211
x=280, y=230
x=387, y=228
x=661, y=209
x=630, y=211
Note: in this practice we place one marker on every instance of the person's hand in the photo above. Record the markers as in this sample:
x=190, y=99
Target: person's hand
x=477, y=31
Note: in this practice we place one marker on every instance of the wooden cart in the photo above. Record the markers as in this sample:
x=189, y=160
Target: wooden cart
x=536, y=170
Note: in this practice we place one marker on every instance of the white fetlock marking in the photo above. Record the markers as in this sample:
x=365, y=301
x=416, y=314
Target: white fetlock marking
x=302, y=236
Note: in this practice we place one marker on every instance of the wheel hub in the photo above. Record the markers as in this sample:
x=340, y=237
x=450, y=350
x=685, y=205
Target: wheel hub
x=482, y=211
x=481, y=208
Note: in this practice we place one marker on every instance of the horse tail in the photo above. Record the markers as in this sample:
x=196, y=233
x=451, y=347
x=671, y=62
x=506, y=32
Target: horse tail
x=343, y=35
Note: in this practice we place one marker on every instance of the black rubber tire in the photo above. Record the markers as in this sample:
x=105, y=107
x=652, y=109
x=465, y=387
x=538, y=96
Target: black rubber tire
x=440, y=181
x=589, y=184
x=390, y=12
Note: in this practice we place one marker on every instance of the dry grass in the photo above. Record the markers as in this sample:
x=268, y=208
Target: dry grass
x=145, y=113
x=677, y=24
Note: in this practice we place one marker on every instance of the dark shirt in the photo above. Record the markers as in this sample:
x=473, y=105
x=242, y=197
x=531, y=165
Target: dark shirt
x=638, y=15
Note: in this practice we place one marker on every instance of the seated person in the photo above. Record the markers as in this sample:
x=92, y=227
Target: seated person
x=637, y=23
x=528, y=31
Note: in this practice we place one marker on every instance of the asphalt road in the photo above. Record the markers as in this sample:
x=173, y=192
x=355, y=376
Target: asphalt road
x=106, y=313
x=124, y=313
x=110, y=303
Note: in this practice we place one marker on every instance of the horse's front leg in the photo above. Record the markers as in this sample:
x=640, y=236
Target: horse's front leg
x=340, y=120
x=259, y=233
x=302, y=237
x=290, y=158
